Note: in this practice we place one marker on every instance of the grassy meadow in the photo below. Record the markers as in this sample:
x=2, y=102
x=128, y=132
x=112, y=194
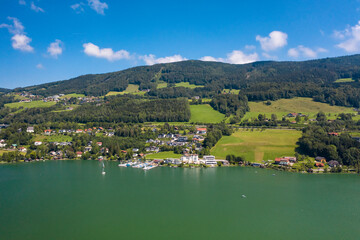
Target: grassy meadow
x=53, y=138
x=299, y=105
x=187, y=85
x=204, y=113
x=232, y=91
x=131, y=89
x=344, y=80
x=258, y=145
x=163, y=155
x=72, y=95
x=33, y=104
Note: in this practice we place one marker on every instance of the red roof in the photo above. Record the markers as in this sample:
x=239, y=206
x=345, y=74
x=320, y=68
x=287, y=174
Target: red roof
x=201, y=129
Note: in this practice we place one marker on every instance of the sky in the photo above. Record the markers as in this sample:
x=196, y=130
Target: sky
x=49, y=40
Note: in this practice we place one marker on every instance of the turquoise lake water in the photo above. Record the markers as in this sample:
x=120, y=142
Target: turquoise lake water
x=73, y=200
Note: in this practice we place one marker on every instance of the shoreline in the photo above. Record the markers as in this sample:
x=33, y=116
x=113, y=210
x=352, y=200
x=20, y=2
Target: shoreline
x=271, y=167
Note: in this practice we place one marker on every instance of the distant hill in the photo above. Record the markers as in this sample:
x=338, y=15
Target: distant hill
x=4, y=90
x=212, y=75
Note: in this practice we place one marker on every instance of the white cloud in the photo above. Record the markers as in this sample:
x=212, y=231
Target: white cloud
x=15, y=28
x=78, y=7
x=301, y=51
x=275, y=40
x=351, y=37
x=238, y=57
x=55, y=48
x=98, y=6
x=22, y=2
x=212, y=59
x=19, y=40
x=151, y=59
x=36, y=8
x=107, y=53
x=39, y=66
x=235, y=57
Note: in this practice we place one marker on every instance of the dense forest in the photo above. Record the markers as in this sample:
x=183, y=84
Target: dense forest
x=212, y=75
x=319, y=140
x=113, y=109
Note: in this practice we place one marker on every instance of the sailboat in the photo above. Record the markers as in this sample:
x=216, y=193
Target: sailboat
x=103, y=168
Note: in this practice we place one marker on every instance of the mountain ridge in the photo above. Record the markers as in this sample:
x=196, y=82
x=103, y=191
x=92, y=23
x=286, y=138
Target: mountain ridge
x=202, y=73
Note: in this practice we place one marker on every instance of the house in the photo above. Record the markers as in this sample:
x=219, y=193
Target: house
x=201, y=130
x=182, y=139
x=135, y=149
x=22, y=149
x=30, y=129
x=285, y=161
x=333, y=163
x=79, y=154
x=47, y=132
x=37, y=143
x=320, y=159
x=99, y=144
x=111, y=134
x=319, y=164
x=209, y=160
x=152, y=149
x=292, y=115
x=334, y=134
x=88, y=148
x=2, y=143
x=79, y=131
x=190, y=158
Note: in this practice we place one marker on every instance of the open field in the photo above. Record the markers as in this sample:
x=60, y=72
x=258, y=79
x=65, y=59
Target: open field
x=204, y=113
x=161, y=85
x=258, y=145
x=187, y=85
x=232, y=91
x=344, y=80
x=131, y=89
x=72, y=95
x=53, y=138
x=163, y=155
x=299, y=105
x=33, y=104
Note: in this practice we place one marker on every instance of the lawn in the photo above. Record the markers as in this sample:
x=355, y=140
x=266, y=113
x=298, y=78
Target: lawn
x=187, y=85
x=53, y=138
x=344, y=80
x=163, y=155
x=161, y=85
x=232, y=91
x=258, y=145
x=131, y=89
x=299, y=105
x=204, y=113
x=33, y=104
x=73, y=95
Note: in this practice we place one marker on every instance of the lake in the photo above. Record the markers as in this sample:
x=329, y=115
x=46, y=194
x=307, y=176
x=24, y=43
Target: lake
x=73, y=200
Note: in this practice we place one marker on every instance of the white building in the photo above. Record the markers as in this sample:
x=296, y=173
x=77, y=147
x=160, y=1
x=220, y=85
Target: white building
x=190, y=159
x=209, y=160
x=30, y=129
x=37, y=143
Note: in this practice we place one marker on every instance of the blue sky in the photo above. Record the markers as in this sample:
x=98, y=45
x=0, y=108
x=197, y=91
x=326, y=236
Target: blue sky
x=47, y=40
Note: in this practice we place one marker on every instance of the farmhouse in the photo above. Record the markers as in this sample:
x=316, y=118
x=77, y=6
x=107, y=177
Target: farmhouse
x=47, y=131
x=30, y=129
x=320, y=159
x=201, y=130
x=333, y=163
x=79, y=154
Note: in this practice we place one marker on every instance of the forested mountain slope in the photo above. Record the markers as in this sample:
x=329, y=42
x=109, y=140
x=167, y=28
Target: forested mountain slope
x=212, y=75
